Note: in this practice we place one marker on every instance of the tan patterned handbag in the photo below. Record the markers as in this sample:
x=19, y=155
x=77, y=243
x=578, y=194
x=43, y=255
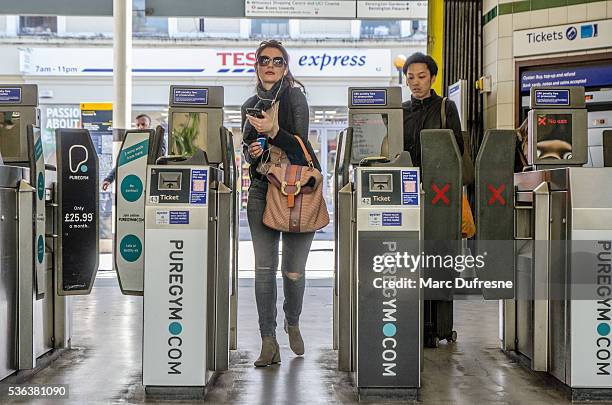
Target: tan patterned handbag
x=294, y=202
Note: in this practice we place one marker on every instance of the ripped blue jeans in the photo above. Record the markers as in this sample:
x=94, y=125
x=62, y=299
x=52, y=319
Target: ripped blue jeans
x=296, y=247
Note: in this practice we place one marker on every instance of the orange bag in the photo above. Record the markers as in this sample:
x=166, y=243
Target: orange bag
x=468, y=227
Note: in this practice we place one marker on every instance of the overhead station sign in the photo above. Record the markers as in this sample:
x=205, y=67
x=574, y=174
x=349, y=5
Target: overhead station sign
x=300, y=9
x=392, y=9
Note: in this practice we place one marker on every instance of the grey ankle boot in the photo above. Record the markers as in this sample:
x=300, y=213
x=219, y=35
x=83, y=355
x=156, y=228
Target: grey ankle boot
x=270, y=352
x=295, y=338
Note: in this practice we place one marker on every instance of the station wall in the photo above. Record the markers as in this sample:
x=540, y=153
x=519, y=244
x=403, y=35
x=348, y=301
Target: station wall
x=502, y=19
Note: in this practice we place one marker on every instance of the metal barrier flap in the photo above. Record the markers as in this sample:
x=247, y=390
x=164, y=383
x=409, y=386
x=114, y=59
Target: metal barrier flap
x=77, y=168
x=131, y=174
x=495, y=209
x=442, y=185
x=37, y=180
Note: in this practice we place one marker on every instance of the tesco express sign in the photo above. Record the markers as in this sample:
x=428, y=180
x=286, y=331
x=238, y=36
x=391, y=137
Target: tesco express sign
x=351, y=62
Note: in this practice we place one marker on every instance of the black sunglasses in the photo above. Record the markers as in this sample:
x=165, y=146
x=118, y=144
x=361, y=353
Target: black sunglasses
x=277, y=61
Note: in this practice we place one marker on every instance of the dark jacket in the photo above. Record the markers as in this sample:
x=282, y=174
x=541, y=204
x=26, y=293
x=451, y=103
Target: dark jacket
x=425, y=114
x=293, y=119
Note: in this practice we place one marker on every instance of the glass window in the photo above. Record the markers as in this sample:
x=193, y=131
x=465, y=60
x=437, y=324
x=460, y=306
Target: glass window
x=147, y=26
x=325, y=28
x=10, y=134
x=189, y=131
x=270, y=28
x=37, y=25
x=380, y=29
x=369, y=133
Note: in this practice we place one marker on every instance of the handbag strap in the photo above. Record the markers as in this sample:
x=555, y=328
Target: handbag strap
x=443, y=113
x=306, y=154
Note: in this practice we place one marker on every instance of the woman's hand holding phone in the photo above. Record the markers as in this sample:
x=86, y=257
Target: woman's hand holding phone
x=263, y=125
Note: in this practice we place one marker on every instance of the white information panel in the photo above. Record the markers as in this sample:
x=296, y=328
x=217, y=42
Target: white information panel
x=301, y=9
x=457, y=93
x=129, y=233
x=590, y=324
x=174, y=344
x=392, y=9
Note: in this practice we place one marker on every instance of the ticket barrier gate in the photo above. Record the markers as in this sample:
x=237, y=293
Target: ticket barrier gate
x=377, y=213
x=42, y=263
x=201, y=108
x=176, y=283
x=196, y=138
x=373, y=115
x=559, y=321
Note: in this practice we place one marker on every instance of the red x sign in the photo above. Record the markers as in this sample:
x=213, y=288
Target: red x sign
x=496, y=194
x=541, y=120
x=440, y=194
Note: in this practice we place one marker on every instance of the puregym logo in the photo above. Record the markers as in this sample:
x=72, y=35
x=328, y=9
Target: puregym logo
x=175, y=306
x=604, y=306
x=389, y=318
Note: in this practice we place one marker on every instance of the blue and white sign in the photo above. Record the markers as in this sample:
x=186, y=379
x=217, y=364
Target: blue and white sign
x=190, y=96
x=586, y=76
x=10, y=95
x=179, y=217
x=377, y=98
x=198, y=186
x=563, y=38
x=457, y=92
x=552, y=97
x=410, y=187
x=391, y=219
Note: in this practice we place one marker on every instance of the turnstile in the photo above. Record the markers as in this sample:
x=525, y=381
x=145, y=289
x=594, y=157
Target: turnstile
x=176, y=285
x=380, y=202
x=51, y=217
x=196, y=137
x=558, y=322
x=196, y=122
x=388, y=297
x=375, y=122
x=377, y=213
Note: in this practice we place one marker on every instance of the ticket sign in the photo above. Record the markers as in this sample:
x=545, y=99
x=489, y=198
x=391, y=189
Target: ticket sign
x=369, y=97
x=77, y=172
x=10, y=95
x=130, y=202
x=187, y=96
x=37, y=180
x=552, y=97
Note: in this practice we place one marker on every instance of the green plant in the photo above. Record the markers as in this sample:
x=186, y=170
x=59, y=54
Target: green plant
x=185, y=135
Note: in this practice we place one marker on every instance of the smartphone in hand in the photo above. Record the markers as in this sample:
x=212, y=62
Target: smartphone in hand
x=254, y=112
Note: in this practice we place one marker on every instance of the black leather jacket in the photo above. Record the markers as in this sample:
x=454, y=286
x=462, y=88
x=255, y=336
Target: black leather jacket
x=425, y=114
x=293, y=119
